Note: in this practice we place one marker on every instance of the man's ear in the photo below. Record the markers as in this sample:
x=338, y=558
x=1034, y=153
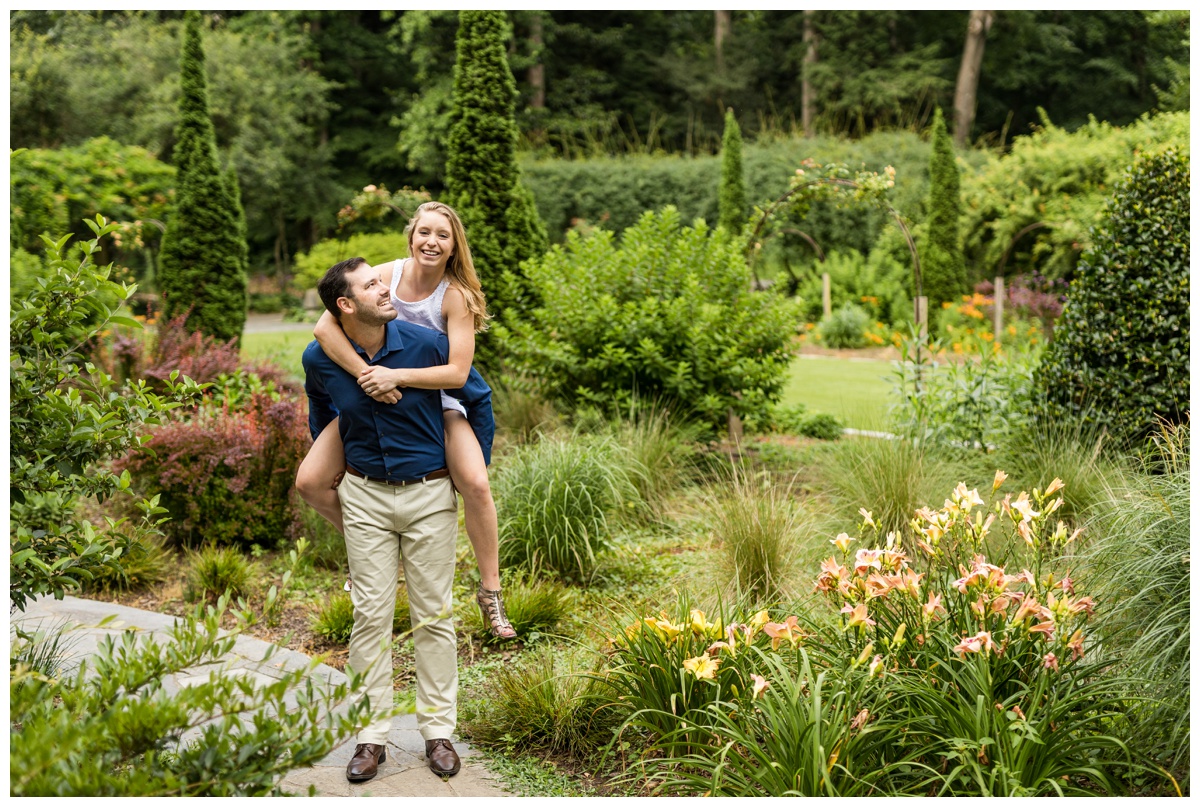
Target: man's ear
x=346, y=305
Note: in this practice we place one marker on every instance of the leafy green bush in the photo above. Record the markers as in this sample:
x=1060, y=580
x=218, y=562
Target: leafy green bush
x=820, y=426
x=214, y=572
x=846, y=327
x=145, y=563
x=974, y=402
x=112, y=728
x=534, y=607
x=376, y=248
x=556, y=502
x=878, y=283
x=1120, y=352
x=521, y=414
x=667, y=315
x=67, y=419
x=1058, y=177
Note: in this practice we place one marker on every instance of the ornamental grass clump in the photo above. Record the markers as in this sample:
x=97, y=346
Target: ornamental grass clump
x=559, y=501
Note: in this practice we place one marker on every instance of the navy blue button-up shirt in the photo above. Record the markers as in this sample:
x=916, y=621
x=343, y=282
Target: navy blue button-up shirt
x=400, y=441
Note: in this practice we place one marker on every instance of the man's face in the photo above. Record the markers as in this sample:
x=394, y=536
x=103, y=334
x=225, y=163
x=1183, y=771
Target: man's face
x=371, y=298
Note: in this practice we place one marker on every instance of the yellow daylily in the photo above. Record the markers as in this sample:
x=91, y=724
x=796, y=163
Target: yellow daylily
x=702, y=666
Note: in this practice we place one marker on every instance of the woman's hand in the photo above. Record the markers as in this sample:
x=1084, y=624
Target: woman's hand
x=382, y=381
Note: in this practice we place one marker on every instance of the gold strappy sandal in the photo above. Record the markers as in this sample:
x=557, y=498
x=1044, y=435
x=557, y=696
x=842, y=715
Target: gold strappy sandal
x=492, y=608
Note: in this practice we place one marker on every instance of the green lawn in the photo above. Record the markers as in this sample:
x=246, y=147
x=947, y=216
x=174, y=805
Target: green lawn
x=856, y=391
x=282, y=348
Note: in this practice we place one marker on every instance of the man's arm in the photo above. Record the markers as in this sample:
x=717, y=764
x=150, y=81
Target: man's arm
x=321, y=410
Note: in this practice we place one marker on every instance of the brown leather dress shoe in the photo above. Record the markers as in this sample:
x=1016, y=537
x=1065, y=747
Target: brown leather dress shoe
x=365, y=762
x=443, y=759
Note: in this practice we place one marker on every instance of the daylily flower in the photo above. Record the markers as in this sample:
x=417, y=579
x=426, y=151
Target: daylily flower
x=980, y=642
x=1024, y=531
x=933, y=605
x=1057, y=484
x=842, y=542
x=875, y=667
x=999, y=480
x=1017, y=711
x=911, y=583
x=663, y=627
x=1050, y=661
x=967, y=498
x=1076, y=644
x=702, y=666
x=1054, y=505
x=928, y=515
x=788, y=629
x=699, y=624
x=759, y=619
x=1029, y=607
x=1000, y=605
x=866, y=514
x=866, y=559
x=1025, y=507
x=877, y=585
x=857, y=616
x=759, y=685
x=1083, y=604
x=980, y=607
x=1045, y=628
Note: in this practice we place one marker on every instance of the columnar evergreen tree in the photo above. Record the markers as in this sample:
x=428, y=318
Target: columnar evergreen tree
x=943, y=272
x=202, y=265
x=482, y=178
x=732, y=196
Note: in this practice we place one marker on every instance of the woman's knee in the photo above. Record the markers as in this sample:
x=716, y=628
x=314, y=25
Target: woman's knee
x=311, y=482
x=474, y=487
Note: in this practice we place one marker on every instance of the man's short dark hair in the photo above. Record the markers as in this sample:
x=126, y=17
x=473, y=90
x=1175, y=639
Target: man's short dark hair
x=334, y=284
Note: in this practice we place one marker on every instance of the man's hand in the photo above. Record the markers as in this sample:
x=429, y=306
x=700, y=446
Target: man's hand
x=381, y=383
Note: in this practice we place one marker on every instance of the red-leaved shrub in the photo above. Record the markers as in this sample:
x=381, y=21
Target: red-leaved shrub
x=227, y=476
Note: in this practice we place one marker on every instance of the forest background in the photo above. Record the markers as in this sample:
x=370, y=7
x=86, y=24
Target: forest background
x=311, y=106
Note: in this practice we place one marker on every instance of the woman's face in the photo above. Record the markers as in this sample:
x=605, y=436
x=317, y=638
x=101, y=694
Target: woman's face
x=432, y=241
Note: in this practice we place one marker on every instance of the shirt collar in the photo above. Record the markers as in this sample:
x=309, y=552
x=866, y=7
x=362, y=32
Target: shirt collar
x=392, y=341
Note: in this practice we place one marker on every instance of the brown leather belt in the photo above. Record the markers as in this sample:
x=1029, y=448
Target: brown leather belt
x=440, y=473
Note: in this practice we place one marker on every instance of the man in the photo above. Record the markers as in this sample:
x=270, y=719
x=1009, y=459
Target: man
x=397, y=502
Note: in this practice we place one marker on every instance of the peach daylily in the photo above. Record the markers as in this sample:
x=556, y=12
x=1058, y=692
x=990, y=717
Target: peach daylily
x=842, y=542
x=1024, y=531
x=758, y=686
x=999, y=480
x=867, y=519
x=878, y=585
x=702, y=666
x=967, y=498
x=1025, y=507
x=1083, y=604
x=1057, y=484
x=1029, y=607
x=933, y=605
x=1050, y=662
x=867, y=559
x=1045, y=628
x=980, y=642
x=857, y=616
x=788, y=629
x=1075, y=645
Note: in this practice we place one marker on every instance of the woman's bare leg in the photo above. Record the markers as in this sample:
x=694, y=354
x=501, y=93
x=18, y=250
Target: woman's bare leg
x=464, y=459
x=319, y=473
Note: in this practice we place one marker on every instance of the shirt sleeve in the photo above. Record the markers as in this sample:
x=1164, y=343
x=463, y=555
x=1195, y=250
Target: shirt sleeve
x=321, y=411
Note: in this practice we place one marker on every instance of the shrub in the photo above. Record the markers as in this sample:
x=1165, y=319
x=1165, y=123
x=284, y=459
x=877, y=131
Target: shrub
x=845, y=328
x=663, y=451
x=973, y=403
x=113, y=728
x=227, y=475
x=334, y=619
x=66, y=419
x=1058, y=177
x=1120, y=353
x=557, y=500
x=375, y=247
x=820, y=426
x=214, y=572
x=534, y=607
x=145, y=563
x=548, y=700
x=877, y=283
x=521, y=414
x=668, y=315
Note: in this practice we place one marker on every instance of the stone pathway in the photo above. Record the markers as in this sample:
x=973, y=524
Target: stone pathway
x=405, y=772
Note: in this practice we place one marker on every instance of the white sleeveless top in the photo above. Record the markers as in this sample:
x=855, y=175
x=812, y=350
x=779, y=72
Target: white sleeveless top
x=427, y=312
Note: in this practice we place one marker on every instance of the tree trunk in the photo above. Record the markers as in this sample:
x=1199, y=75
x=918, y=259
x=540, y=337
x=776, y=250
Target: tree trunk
x=808, y=100
x=967, y=88
x=537, y=71
x=721, y=29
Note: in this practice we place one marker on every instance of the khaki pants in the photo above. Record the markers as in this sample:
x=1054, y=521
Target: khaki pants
x=418, y=523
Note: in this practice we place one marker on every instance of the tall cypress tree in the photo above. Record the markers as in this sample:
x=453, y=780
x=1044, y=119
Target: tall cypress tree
x=943, y=272
x=482, y=178
x=732, y=197
x=203, y=257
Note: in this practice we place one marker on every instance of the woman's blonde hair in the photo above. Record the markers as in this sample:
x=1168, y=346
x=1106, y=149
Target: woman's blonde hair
x=460, y=268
